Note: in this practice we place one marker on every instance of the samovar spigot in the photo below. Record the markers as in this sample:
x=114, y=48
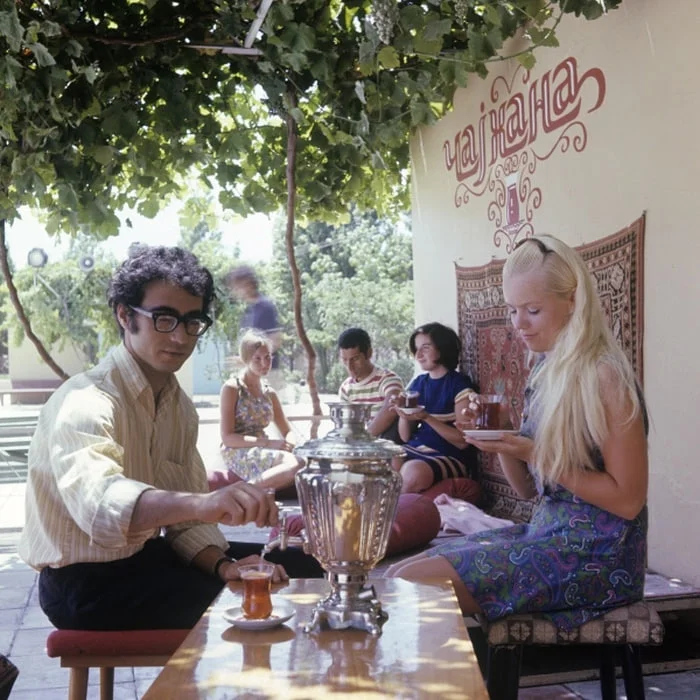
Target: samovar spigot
x=283, y=538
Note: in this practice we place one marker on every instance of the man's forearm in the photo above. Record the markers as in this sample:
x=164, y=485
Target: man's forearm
x=156, y=508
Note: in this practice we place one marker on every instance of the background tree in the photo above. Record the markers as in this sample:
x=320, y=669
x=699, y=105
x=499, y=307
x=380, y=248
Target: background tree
x=4, y=347
x=66, y=304
x=359, y=273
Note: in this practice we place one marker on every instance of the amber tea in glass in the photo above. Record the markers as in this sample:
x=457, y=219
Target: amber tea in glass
x=257, y=579
x=489, y=415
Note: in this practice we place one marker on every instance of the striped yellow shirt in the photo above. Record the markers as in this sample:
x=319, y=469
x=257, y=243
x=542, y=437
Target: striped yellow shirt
x=99, y=444
x=373, y=389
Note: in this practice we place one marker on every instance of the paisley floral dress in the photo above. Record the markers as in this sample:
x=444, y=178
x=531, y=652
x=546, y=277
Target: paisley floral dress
x=253, y=415
x=573, y=561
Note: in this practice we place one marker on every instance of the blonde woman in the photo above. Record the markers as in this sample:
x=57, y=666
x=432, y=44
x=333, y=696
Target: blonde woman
x=582, y=448
x=248, y=406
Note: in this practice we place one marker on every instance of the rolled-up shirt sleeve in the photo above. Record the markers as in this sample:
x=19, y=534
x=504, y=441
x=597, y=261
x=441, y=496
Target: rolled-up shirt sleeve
x=88, y=466
x=189, y=538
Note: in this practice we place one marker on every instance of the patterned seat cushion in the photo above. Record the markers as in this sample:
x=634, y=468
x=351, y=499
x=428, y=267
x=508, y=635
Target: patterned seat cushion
x=638, y=623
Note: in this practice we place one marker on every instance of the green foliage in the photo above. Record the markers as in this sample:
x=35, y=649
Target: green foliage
x=103, y=105
x=356, y=274
x=67, y=305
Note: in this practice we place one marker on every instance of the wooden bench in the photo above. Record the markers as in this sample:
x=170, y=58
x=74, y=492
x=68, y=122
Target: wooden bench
x=39, y=393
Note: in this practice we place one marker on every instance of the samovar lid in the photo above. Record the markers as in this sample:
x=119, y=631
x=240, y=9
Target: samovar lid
x=349, y=439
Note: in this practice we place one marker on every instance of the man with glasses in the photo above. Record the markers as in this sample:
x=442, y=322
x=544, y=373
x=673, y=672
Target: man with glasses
x=119, y=520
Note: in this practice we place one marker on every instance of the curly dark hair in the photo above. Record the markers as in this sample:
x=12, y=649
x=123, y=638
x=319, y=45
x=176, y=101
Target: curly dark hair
x=355, y=338
x=147, y=264
x=445, y=340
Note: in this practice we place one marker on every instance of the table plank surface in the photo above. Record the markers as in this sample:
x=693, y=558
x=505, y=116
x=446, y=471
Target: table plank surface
x=423, y=652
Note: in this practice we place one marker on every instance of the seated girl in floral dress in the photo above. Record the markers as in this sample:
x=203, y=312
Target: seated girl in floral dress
x=248, y=406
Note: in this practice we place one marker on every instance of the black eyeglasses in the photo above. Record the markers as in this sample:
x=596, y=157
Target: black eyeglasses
x=195, y=322
x=543, y=248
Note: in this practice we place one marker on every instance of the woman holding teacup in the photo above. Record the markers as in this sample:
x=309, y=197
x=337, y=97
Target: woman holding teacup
x=435, y=449
x=582, y=449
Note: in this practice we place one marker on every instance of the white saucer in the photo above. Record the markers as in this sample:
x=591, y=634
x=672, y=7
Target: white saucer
x=414, y=409
x=488, y=434
x=281, y=612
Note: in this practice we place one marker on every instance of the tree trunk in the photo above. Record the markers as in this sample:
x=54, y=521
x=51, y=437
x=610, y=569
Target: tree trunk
x=14, y=297
x=289, y=243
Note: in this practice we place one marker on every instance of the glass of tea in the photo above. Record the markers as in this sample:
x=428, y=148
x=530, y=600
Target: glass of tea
x=257, y=579
x=409, y=399
x=492, y=412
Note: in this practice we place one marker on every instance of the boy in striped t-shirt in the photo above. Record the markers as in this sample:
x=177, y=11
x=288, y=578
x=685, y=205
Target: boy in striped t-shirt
x=369, y=384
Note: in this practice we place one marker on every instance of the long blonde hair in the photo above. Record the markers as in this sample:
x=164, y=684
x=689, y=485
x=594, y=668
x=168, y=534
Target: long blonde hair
x=571, y=421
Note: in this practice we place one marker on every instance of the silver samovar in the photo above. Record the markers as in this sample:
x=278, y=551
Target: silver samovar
x=348, y=494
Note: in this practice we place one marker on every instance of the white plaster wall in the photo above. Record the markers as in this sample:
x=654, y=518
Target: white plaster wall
x=642, y=154
x=25, y=364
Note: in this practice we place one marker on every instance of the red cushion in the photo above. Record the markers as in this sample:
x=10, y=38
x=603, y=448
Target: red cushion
x=114, y=643
x=417, y=522
x=463, y=489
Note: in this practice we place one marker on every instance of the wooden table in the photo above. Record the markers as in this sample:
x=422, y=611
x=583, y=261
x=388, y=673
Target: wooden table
x=423, y=652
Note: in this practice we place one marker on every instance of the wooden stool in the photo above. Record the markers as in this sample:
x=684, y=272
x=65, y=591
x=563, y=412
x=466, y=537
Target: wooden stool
x=81, y=650
x=619, y=633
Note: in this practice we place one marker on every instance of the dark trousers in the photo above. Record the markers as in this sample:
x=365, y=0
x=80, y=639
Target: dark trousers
x=153, y=589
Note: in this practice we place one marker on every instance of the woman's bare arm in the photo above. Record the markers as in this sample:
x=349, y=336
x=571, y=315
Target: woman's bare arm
x=622, y=488
x=282, y=422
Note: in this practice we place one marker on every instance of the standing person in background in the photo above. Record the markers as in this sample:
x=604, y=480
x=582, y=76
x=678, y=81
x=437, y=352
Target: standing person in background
x=368, y=383
x=260, y=315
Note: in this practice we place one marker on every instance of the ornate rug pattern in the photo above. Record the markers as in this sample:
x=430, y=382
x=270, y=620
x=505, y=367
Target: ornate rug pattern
x=495, y=357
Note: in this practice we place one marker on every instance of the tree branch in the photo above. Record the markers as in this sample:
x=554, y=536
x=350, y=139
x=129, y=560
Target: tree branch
x=289, y=243
x=125, y=41
x=14, y=297
x=142, y=41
